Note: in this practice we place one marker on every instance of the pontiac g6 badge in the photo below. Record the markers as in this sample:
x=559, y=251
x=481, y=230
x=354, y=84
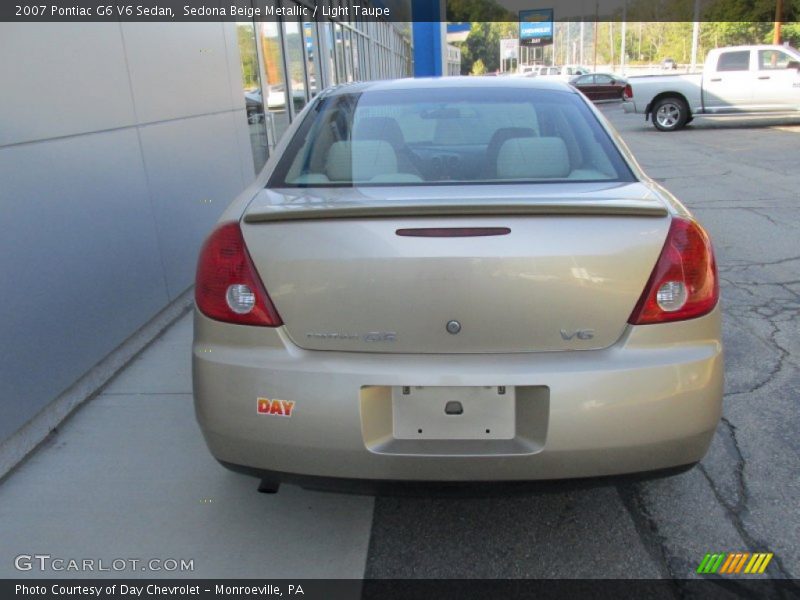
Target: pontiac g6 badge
x=372, y=336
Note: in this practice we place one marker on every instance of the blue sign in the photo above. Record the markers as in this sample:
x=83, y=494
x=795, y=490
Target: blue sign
x=458, y=27
x=536, y=27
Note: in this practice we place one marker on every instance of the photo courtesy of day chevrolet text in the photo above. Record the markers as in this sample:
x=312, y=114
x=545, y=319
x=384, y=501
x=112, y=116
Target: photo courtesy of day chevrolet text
x=159, y=590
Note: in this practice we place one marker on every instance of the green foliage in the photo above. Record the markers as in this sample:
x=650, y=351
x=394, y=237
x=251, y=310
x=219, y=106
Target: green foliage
x=478, y=68
x=791, y=33
x=483, y=44
x=649, y=43
x=749, y=10
x=246, y=35
x=468, y=11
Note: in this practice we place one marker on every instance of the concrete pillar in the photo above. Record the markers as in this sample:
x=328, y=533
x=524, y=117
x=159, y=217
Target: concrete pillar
x=429, y=37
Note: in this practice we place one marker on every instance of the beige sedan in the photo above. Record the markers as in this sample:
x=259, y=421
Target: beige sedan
x=460, y=280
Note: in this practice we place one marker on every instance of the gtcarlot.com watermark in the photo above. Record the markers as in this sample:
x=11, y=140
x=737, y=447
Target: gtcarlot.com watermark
x=46, y=562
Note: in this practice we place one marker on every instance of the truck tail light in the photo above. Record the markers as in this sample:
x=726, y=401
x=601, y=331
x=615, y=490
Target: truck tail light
x=683, y=284
x=227, y=286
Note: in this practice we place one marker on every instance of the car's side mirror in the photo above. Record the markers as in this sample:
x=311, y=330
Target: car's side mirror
x=793, y=64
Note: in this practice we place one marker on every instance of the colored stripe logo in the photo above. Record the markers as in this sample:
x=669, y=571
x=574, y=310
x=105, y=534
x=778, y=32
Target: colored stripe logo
x=732, y=563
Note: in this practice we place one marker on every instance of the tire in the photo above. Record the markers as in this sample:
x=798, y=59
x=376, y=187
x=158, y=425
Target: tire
x=670, y=114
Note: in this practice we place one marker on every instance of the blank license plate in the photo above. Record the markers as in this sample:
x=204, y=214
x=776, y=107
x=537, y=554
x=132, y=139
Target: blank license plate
x=419, y=413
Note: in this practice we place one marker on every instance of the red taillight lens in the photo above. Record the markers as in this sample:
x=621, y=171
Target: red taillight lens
x=628, y=93
x=227, y=287
x=684, y=283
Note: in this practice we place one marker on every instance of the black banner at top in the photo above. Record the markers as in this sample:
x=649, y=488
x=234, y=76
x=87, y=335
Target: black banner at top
x=456, y=11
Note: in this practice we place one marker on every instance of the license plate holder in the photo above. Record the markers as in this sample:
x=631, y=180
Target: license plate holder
x=488, y=412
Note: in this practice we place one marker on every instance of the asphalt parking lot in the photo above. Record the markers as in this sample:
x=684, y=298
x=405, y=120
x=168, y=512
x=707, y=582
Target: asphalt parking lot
x=741, y=179
x=128, y=475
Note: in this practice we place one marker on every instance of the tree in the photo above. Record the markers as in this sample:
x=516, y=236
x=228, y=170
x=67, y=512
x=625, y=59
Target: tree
x=478, y=68
x=483, y=43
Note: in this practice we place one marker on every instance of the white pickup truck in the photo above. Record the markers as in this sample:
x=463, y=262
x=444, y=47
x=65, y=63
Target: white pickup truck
x=736, y=80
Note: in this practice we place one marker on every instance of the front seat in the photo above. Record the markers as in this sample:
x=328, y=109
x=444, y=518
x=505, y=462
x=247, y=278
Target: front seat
x=386, y=129
x=533, y=158
x=500, y=137
x=360, y=161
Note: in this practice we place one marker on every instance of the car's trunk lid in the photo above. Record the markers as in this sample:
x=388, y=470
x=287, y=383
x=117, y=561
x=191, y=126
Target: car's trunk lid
x=566, y=276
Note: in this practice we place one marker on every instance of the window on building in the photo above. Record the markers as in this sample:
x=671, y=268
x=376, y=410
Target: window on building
x=296, y=64
x=348, y=53
x=341, y=69
x=312, y=58
x=274, y=88
x=330, y=46
x=253, y=98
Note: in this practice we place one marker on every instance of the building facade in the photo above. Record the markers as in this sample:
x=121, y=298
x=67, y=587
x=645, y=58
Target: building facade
x=453, y=61
x=120, y=146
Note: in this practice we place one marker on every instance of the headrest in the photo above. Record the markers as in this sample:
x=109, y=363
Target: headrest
x=533, y=158
x=379, y=128
x=360, y=161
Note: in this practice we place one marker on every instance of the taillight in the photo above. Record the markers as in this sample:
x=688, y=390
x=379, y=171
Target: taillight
x=628, y=93
x=227, y=286
x=684, y=283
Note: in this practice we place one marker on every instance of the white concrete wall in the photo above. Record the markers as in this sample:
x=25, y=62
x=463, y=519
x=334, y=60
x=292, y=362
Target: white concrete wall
x=120, y=145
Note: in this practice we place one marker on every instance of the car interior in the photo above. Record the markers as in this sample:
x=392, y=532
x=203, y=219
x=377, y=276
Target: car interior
x=458, y=142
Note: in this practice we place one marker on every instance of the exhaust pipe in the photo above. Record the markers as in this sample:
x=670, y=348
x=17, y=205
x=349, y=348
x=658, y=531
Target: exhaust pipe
x=269, y=486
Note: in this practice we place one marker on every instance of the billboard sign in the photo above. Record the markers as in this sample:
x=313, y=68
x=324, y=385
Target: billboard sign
x=509, y=49
x=536, y=27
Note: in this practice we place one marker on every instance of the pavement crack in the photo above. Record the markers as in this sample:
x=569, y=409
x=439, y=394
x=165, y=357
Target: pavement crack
x=728, y=435
x=756, y=211
x=743, y=264
x=738, y=509
x=647, y=529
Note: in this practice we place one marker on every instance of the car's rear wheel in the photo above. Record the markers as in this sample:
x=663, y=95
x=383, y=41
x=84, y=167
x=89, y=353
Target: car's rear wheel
x=670, y=114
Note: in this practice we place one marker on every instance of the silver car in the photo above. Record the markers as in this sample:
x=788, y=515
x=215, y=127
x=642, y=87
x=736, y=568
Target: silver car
x=460, y=280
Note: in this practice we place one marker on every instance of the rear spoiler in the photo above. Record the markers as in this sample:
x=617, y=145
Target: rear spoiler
x=611, y=208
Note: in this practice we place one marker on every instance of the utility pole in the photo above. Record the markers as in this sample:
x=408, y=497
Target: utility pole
x=696, y=34
x=596, y=19
x=554, y=48
x=583, y=36
x=624, y=33
x=639, y=54
x=611, y=42
x=776, y=37
x=567, y=59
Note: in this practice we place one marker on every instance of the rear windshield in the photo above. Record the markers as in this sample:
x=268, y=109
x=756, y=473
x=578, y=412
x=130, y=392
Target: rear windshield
x=449, y=136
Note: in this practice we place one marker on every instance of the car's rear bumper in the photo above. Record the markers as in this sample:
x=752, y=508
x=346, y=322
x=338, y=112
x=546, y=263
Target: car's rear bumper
x=629, y=107
x=651, y=401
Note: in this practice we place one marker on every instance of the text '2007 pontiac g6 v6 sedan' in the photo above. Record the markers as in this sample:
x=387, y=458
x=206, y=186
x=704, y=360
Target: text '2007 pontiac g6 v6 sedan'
x=455, y=280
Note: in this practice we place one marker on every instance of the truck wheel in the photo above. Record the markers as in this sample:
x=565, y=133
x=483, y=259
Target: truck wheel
x=670, y=114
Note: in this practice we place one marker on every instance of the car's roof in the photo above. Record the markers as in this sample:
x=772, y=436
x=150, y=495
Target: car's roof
x=451, y=83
